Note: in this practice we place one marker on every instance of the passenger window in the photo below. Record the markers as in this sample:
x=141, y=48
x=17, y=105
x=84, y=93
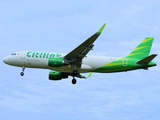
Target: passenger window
x=13, y=54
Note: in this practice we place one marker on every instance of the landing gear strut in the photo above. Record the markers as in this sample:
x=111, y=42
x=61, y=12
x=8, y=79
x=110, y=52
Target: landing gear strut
x=22, y=73
x=75, y=73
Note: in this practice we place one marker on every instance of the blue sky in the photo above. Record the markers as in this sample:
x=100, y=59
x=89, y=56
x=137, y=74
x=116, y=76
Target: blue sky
x=60, y=26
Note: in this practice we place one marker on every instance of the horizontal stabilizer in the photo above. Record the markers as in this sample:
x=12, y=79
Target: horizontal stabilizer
x=147, y=59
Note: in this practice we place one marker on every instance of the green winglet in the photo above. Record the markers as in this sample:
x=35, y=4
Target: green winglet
x=101, y=29
x=90, y=74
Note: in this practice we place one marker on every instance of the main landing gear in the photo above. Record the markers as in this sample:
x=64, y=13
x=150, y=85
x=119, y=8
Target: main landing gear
x=22, y=73
x=75, y=73
x=74, y=81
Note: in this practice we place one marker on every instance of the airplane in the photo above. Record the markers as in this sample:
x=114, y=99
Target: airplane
x=77, y=61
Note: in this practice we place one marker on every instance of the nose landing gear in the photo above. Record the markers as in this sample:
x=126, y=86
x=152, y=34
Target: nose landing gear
x=22, y=73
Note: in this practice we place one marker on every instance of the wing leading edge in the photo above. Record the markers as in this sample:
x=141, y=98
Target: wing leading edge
x=81, y=51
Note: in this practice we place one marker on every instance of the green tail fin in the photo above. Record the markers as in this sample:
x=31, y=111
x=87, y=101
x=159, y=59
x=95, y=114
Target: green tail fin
x=142, y=50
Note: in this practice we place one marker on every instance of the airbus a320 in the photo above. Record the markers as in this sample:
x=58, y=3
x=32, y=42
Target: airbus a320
x=76, y=62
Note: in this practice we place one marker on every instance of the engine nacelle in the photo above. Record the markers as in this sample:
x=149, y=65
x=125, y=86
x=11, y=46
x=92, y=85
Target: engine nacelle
x=57, y=75
x=55, y=62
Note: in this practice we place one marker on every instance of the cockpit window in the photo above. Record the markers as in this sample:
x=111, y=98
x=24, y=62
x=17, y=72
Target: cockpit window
x=13, y=54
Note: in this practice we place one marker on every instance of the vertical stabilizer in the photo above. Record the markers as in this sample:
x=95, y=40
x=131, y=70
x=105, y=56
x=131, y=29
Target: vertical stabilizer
x=142, y=50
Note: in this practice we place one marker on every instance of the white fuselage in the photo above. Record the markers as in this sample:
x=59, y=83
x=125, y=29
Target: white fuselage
x=30, y=59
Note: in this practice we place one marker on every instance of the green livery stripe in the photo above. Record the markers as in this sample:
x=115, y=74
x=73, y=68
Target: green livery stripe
x=142, y=50
x=123, y=64
x=146, y=40
x=134, y=54
x=114, y=70
x=113, y=64
x=139, y=48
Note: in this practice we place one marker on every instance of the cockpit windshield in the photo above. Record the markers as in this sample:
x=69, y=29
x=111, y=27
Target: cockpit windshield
x=13, y=54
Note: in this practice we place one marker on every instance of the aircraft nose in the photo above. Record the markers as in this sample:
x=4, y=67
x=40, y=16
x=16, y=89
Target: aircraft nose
x=6, y=60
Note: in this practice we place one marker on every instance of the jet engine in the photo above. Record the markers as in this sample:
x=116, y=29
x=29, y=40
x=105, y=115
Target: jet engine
x=56, y=62
x=57, y=75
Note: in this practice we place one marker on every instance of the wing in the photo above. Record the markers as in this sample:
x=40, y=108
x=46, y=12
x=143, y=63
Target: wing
x=76, y=55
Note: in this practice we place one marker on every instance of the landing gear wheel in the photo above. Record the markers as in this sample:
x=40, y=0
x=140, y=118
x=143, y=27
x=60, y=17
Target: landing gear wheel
x=22, y=73
x=75, y=72
x=74, y=81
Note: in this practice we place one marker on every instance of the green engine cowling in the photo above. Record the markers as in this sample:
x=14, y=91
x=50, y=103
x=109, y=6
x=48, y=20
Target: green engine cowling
x=55, y=62
x=57, y=75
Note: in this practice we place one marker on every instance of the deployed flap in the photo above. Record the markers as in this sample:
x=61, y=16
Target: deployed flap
x=147, y=59
x=81, y=51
